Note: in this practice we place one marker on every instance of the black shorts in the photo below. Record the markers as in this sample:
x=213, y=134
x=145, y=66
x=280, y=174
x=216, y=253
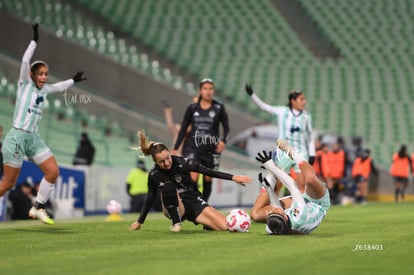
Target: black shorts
x=193, y=208
x=400, y=180
x=209, y=160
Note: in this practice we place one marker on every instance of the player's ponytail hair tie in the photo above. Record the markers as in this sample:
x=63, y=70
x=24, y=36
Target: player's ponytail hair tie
x=36, y=64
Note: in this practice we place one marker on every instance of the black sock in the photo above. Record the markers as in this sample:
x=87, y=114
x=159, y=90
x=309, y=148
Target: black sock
x=170, y=201
x=206, y=189
x=39, y=205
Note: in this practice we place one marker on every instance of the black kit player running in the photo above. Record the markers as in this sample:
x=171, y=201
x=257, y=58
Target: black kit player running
x=203, y=141
x=178, y=178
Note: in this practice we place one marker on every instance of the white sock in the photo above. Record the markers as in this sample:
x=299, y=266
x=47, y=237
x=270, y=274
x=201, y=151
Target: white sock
x=289, y=183
x=45, y=189
x=274, y=199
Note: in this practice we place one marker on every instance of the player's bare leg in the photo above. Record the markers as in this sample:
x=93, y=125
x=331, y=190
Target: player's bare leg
x=9, y=179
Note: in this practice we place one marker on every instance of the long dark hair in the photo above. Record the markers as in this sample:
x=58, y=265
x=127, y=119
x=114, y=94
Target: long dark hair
x=293, y=95
x=403, y=151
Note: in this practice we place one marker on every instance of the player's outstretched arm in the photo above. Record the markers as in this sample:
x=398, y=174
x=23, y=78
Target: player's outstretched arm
x=35, y=27
x=63, y=85
x=265, y=107
x=27, y=56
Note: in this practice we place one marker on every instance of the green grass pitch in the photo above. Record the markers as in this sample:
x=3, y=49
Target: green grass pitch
x=373, y=239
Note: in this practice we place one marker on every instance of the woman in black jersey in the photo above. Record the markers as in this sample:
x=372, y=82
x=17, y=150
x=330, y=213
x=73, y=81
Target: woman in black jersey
x=204, y=141
x=180, y=196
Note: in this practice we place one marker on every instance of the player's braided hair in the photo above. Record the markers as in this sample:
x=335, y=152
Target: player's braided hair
x=149, y=147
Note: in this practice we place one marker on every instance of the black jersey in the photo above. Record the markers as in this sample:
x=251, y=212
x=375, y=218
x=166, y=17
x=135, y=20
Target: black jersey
x=204, y=135
x=178, y=174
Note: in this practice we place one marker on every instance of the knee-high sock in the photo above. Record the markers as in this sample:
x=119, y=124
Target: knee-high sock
x=45, y=189
x=206, y=189
x=170, y=201
x=270, y=189
x=287, y=181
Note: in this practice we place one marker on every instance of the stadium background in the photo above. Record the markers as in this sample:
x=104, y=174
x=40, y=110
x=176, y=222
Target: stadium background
x=353, y=59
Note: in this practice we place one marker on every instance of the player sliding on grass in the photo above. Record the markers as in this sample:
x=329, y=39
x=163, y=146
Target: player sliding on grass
x=23, y=138
x=301, y=213
x=180, y=196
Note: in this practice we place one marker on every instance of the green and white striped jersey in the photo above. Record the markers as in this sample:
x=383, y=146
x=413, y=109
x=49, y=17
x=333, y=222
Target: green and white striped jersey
x=30, y=101
x=305, y=216
x=293, y=126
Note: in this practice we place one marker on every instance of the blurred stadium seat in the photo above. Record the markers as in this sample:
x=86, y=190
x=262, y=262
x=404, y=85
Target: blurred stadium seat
x=368, y=92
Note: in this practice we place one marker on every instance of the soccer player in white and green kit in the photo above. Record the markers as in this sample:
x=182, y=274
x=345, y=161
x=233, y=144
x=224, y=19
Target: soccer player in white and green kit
x=23, y=138
x=301, y=212
x=294, y=124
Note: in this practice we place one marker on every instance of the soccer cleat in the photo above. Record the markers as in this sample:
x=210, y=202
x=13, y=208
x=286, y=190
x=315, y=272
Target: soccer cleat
x=292, y=153
x=175, y=227
x=285, y=147
x=41, y=215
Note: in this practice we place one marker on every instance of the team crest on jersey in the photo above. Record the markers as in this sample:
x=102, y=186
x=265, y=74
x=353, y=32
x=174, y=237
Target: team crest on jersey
x=212, y=114
x=178, y=178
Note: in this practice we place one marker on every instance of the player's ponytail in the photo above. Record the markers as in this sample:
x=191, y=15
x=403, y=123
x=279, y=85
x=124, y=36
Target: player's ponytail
x=149, y=147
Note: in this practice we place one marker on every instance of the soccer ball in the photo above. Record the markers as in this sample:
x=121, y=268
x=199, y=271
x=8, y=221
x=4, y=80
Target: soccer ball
x=113, y=207
x=238, y=220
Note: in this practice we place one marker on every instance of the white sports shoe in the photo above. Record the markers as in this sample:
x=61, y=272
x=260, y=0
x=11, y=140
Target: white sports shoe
x=292, y=153
x=285, y=147
x=176, y=227
x=41, y=215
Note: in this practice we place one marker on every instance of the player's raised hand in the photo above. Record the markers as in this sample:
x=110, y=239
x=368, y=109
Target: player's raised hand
x=78, y=77
x=265, y=157
x=35, y=27
x=249, y=89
